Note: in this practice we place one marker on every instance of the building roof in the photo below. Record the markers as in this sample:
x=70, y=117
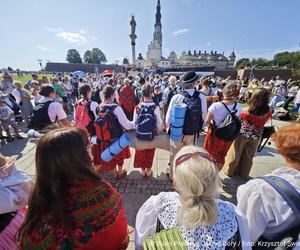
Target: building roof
x=232, y=54
x=90, y=68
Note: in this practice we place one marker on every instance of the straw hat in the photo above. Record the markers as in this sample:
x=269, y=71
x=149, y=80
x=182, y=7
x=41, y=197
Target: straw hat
x=5, y=165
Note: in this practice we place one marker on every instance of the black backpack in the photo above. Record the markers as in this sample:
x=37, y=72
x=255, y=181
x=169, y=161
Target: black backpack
x=230, y=128
x=39, y=117
x=193, y=120
x=96, y=96
x=171, y=93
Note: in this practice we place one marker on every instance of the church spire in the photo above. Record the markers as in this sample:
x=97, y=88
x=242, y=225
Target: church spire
x=158, y=15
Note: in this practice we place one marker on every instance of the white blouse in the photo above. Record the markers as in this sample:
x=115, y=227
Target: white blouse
x=14, y=191
x=267, y=213
x=119, y=113
x=165, y=206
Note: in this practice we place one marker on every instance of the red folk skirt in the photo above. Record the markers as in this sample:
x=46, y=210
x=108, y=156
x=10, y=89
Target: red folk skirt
x=216, y=147
x=144, y=158
x=107, y=166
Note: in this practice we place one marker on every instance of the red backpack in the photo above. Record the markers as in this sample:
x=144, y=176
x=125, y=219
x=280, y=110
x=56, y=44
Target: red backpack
x=84, y=117
x=127, y=98
x=107, y=126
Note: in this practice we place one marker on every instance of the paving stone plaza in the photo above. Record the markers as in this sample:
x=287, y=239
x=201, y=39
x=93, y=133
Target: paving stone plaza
x=135, y=190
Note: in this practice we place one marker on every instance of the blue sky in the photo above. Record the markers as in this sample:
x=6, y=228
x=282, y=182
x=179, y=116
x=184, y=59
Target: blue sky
x=46, y=29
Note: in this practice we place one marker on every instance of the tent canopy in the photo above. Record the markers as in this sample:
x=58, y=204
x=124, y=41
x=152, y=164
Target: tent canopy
x=79, y=74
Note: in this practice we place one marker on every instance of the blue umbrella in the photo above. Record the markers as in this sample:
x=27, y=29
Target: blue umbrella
x=79, y=73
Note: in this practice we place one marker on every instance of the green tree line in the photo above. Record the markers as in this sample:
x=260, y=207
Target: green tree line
x=90, y=56
x=289, y=60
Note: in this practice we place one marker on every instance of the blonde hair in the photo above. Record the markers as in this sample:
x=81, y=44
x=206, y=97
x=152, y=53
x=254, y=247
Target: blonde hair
x=230, y=90
x=197, y=181
x=172, y=79
x=17, y=84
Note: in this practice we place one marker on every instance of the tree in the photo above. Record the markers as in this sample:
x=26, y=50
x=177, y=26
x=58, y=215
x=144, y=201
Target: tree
x=73, y=56
x=242, y=63
x=283, y=59
x=9, y=69
x=125, y=60
x=260, y=62
x=98, y=56
x=87, y=57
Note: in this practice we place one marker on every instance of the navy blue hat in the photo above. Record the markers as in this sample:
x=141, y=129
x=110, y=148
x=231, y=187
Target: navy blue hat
x=188, y=78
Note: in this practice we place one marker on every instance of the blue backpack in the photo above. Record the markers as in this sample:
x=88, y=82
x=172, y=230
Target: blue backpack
x=146, y=123
x=193, y=120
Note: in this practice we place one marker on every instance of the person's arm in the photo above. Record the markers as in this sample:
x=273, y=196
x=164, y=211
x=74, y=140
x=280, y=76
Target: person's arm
x=158, y=118
x=134, y=115
x=117, y=97
x=94, y=106
x=208, y=118
x=168, y=114
x=16, y=95
x=125, y=123
x=14, y=192
x=64, y=123
x=146, y=221
x=58, y=114
x=203, y=105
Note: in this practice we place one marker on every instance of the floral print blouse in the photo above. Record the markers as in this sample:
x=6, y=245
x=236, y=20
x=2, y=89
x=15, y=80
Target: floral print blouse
x=252, y=126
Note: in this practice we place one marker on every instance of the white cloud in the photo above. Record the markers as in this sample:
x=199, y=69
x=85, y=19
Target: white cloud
x=72, y=37
x=53, y=30
x=181, y=31
x=208, y=44
x=43, y=48
x=82, y=31
x=94, y=38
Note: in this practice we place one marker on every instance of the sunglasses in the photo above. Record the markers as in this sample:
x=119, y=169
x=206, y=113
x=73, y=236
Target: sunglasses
x=187, y=156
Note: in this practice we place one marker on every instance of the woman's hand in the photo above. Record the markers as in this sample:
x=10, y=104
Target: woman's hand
x=208, y=118
x=5, y=172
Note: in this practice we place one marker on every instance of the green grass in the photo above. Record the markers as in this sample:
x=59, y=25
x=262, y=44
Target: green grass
x=26, y=77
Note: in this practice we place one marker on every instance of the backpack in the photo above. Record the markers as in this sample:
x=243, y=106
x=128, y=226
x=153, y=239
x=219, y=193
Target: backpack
x=96, y=96
x=289, y=237
x=39, y=117
x=138, y=95
x=171, y=93
x=146, y=123
x=230, y=128
x=281, y=114
x=107, y=126
x=15, y=108
x=127, y=98
x=193, y=117
x=84, y=117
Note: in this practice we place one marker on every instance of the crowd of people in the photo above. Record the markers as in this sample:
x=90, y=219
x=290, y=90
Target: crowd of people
x=71, y=207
